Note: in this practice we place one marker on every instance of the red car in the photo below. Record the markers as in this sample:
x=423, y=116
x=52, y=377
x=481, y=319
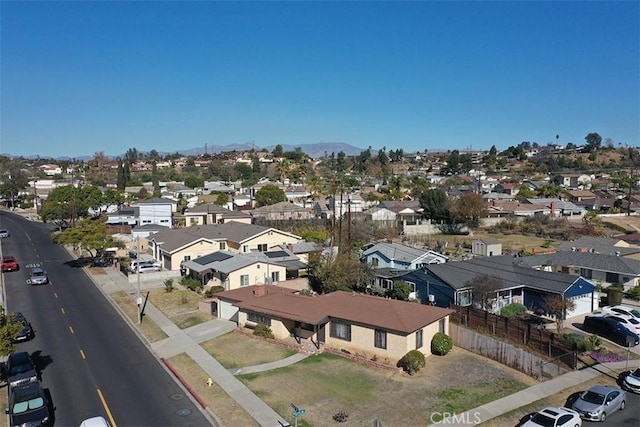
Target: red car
x=9, y=263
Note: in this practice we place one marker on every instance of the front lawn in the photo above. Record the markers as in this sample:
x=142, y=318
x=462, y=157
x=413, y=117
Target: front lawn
x=235, y=350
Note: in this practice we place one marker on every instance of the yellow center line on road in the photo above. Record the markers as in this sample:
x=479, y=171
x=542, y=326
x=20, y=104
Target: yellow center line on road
x=71, y=329
x=106, y=408
x=82, y=354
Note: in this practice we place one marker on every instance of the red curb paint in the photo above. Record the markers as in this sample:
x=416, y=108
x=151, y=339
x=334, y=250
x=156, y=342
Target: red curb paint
x=184, y=383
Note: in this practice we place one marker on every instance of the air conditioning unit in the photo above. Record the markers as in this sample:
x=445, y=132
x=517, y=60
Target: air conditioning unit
x=432, y=298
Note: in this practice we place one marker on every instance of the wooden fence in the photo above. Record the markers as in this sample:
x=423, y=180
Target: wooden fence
x=517, y=332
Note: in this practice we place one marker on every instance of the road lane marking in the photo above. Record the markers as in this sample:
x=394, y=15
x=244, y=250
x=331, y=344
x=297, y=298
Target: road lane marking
x=82, y=354
x=71, y=329
x=55, y=294
x=106, y=408
x=62, y=310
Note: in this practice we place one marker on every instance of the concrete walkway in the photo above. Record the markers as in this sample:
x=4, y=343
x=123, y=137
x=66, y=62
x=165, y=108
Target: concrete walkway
x=187, y=341
x=269, y=366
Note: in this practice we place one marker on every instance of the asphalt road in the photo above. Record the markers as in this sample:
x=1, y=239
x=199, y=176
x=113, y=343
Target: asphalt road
x=630, y=416
x=90, y=360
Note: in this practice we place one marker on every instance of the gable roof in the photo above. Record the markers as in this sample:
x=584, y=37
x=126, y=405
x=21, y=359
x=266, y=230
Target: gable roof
x=504, y=268
x=394, y=315
x=601, y=245
x=157, y=201
x=593, y=261
x=402, y=253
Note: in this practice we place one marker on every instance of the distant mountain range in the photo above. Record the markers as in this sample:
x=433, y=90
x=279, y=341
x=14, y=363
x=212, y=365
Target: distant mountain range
x=313, y=150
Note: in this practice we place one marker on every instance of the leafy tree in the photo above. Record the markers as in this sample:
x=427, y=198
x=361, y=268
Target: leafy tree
x=14, y=180
x=557, y=306
x=155, y=181
x=524, y=192
x=401, y=290
x=593, y=142
x=90, y=234
x=435, y=205
x=453, y=162
x=468, y=209
x=243, y=170
x=59, y=207
x=9, y=330
x=270, y=194
x=344, y=273
x=277, y=151
x=194, y=182
x=222, y=199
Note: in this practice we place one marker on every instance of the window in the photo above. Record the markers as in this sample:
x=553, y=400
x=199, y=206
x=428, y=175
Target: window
x=262, y=247
x=612, y=277
x=245, y=248
x=587, y=273
x=187, y=257
x=223, y=246
x=259, y=318
x=380, y=338
x=413, y=286
x=340, y=330
x=463, y=298
x=374, y=261
x=419, y=338
x=244, y=280
x=387, y=284
x=275, y=276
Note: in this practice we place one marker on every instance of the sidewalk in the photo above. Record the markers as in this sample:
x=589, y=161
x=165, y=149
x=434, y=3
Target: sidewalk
x=187, y=341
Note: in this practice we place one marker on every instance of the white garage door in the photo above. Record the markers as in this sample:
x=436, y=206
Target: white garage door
x=583, y=305
x=228, y=311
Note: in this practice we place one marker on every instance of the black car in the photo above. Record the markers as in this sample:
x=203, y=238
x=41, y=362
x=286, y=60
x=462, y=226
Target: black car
x=27, y=331
x=610, y=329
x=28, y=406
x=20, y=369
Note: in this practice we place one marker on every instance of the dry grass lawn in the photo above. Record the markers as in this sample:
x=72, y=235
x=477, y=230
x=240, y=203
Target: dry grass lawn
x=148, y=328
x=179, y=305
x=325, y=385
x=224, y=407
x=513, y=242
x=563, y=398
x=234, y=350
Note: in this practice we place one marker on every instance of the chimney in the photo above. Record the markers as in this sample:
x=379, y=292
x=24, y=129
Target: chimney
x=260, y=291
x=290, y=247
x=553, y=210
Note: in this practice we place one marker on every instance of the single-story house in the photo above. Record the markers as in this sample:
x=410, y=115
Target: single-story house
x=394, y=255
x=210, y=213
x=344, y=321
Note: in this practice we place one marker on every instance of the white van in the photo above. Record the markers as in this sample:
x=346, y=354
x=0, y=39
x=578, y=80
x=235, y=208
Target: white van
x=133, y=267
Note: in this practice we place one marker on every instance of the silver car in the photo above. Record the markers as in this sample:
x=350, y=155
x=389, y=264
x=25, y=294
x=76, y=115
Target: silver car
x=38, y=277
x=4, y=233
x=631, y=382
x=599, y=402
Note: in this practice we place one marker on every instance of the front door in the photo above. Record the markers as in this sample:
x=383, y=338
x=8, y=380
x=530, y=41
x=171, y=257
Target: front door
x=321, y=332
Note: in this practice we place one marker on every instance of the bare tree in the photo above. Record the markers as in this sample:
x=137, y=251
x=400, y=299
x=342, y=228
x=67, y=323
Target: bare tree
x=558, y=306
x=484, y=290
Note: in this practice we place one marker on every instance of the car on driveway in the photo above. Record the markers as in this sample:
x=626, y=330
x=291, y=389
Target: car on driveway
x=38, y=277
x=4, y=233
x=27, y=331
x=147, y=268
x=621, y=309
x=20, y=369
x=599, y=402
x=10, y=263
x=610, y=329
x=631, y=381
x=28, y=406
x=554, y=416
x=631, y=323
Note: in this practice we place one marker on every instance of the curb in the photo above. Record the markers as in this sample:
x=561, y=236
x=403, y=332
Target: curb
x=186, y=385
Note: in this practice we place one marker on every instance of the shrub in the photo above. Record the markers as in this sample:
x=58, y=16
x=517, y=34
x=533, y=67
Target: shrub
x=168, y=285
x=340, y=417
x=412, y=362
x=191, y=284
x=441, y=344
x=263, y=331
x=614, y=294
x=513, y=310
x=589, y=343
x=634, y=293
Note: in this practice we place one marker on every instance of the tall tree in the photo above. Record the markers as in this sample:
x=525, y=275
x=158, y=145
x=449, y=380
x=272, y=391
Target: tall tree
x=468, y=209
x=435, y=205
x=89, y=234
x=270, y=194
x=593, y=142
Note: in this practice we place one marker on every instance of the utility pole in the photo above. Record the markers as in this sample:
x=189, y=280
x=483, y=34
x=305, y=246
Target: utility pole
x=138, y=299
x=349, y=224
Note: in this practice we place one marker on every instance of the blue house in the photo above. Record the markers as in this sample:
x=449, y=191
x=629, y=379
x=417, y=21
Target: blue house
x=424, y=288
x=399, y=257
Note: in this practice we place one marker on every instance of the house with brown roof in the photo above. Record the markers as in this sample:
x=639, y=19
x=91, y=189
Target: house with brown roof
x=283, y=211
x=174, y=246
x=210, y=213
x=356, y=323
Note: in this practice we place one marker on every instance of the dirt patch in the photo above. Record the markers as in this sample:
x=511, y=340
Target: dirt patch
x=564, y=398
x=226, y=409
x=175, y=303
x=96, y=271
x=235, y=350
x=325, y=385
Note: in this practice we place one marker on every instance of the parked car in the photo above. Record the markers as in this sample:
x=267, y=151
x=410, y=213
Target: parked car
x=554, y=417
x=37, y=277
x=632, y=381
x=621, y=309
x=20, y=369
x=95, y=422
x=599, y=402
x=4, y=233
x=133, y=267
x=610, y=329
x=147, y=268
x=27, y=331
x=10, y=263
x=631, y=323
x=28, y=406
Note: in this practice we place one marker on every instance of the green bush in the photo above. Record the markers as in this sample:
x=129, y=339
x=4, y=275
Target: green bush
x=441, y=344
x=513, y=310
x=614, y=294
x=191, y=284
x=264, y=331
x=634, y=293
x=589, y=343
x=412, y=362
x=168, y=285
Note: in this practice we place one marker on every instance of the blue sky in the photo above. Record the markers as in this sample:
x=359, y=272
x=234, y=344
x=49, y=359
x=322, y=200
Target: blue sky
x=83, y=77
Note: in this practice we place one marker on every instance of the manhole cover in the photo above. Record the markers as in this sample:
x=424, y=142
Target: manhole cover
x=176, y=396
x=184, y=412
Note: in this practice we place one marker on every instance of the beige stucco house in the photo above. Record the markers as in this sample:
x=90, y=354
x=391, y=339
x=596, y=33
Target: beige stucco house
x=210, y=213
x=357, y=323
x=172, y=247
